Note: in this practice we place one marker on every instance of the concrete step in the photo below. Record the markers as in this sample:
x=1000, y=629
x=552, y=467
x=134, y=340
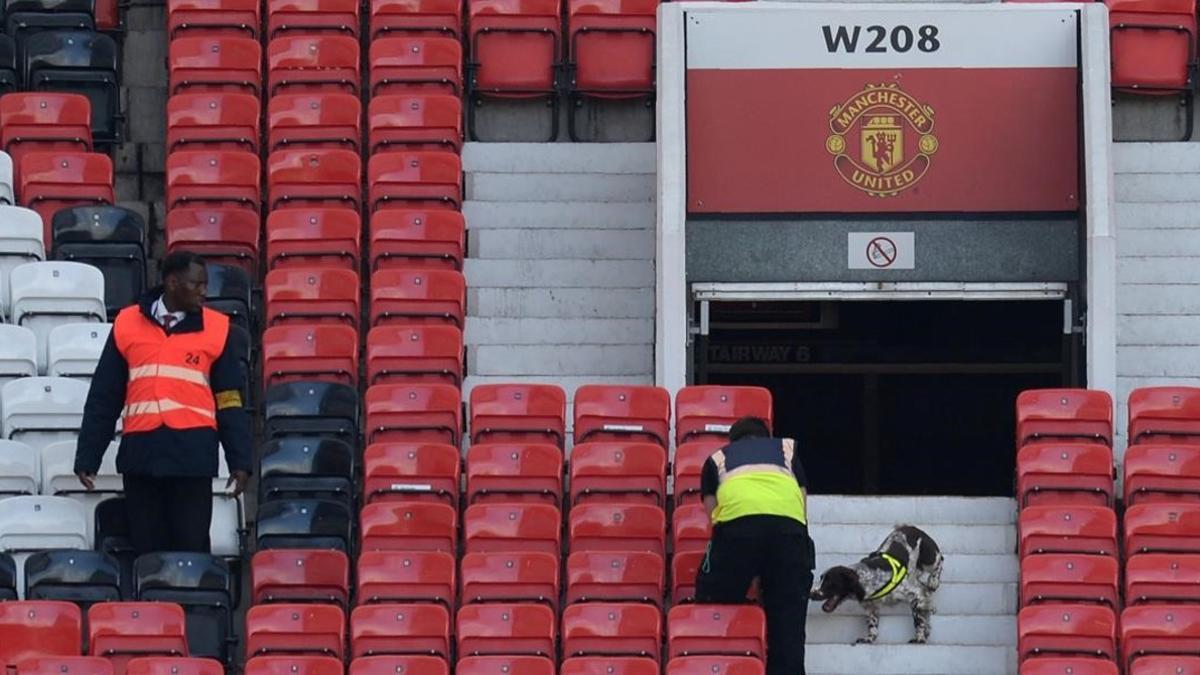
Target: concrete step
x=861, y=539
x=1141, y=331
x=919, y=511
x=1155, y=158
x=560, y=187
x=959, y=568
x=1000, y=631
x=551, y=359
x=905, y=659
x=1169, y=216
x=594, y=274
x=1179, y=271
x=952, y=598
x=558, y=215
x=1159, y=243
x=615, y=158
x=505, y=331
x=560, y=303
x=1157, y=299
x=565, y=244
x=1157, y=187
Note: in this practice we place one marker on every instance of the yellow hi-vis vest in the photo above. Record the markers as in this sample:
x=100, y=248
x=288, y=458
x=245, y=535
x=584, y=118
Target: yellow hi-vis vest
x=899, y=572
x=755, y=479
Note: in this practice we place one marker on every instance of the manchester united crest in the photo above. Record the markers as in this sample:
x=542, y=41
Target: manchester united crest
x=882, y=141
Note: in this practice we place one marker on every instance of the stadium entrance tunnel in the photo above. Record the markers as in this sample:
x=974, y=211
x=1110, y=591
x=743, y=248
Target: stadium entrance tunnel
x=894, y=397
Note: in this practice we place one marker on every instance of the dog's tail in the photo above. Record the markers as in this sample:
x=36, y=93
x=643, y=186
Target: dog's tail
x=933, y=578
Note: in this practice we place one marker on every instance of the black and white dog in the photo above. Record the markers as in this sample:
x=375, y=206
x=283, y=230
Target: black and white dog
x=907, y=567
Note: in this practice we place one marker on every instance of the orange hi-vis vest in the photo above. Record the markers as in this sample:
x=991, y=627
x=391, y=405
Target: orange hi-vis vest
x=168, y=374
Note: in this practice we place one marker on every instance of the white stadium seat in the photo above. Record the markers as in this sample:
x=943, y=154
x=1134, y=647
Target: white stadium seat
x=59, y=479
x=20, y=242
x=39, y=523
x=74, y=349
x=19, y=469
x=228, y=519
x=18, y=353
x=7, y=194
x=42, y=410
x=52, y=293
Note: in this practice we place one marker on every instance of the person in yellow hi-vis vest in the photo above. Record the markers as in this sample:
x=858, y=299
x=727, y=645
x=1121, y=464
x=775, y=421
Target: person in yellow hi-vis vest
x=754, y=489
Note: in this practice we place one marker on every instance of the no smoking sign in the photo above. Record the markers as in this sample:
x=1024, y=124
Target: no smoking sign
x=880, y=250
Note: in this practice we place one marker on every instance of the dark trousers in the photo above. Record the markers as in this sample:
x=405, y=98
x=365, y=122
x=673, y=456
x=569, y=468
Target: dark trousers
x=168, y=514
x=783, y=564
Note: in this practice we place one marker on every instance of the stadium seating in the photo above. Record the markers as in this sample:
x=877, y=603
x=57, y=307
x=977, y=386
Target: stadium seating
x=313, y=64
x=122, y=631
x=110, y=238
x=44, y=121
x=304, y=178
x=38, y=629
x=618, y=472
x=408, y=526
x=20, y=469
x=1053, y=665
x=313, y=237
x=405, y=577
x=18, y=353
x=293, y=665
x=51, y=181
x=1072, y=415
x=213, y=178
x=505, y=629
x=700, y=630
x=66, y=665
x=214, y=63
x=224, y=235
x=1152, y=578
x=203, y=586
x=1067, y=529
x=515, y=51
x=1065, y=473
x=512, y=528
x=49, y=294
x=22, y=240
x=1159, y=629
x=84, y=62
x=39, y=411
x=294, y=575
x=415, y=64
x=417, y=239
x=724, y=665
x=400, y=629
x=706, y=412
x=503, y=665
x=296, y=629
x=213, y=17
x=297, y=352
x=58, y=477
x=415, y=354
x=612, y=629
x=174, y=665
x=81, y=577
x=603, y=665
x=1164, y=415
x=507, y=472
x=1069, y=578
x=1153, y=45
x=1165, y=665
x=617, y=527
x=622, y=413
x=611, y=50
x=311, y=121
x=73, y=349
x=1067, y=630
x=523, y=413
x=432, y=17
x=686, y=468
x=1155, y=473
x=214, y=121
x=1162, y=528
x=414, y=179
x=312, y=409
x=411, y=472
x=691, y=528
x=510, y=576
x=306, y=524
x=625, y=576
x=306, y=468
x=418, y=296
x=414, y=122
x=413, y=413
x=312, y=296
x=312, y=17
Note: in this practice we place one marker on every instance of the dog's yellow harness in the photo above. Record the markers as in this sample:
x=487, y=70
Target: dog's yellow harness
x=899, y=572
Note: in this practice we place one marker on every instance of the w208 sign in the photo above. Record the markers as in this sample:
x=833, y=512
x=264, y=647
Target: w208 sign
x=793, y=109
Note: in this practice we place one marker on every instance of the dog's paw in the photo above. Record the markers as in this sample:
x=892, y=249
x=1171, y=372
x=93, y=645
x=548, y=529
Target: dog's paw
x=864, y=641
x=917, y=641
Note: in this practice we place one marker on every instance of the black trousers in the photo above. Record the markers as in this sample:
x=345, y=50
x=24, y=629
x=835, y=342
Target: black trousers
x=168, y=514
x=783, y=564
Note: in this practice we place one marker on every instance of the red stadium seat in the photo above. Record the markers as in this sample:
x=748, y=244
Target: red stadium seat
x=64, y=665
x=1164, y=415
x=612, y=471
x=1077, y=415
x=213, y=121
x=706, y=412
x=296, y=629
x=400, y=629
x=603, y=665
x=176, y=665
x=1163, y=665
x=1159, y=629
x=515, y=46
x=612, y=629
x=507, y=472
x=315, y=352
x=612, y=46
x=215, y=63
x=312, y=17
x=56, y=180
x=1068, y=666
x=507, y=629
x=417, y=354
x=415, y=179
x=1067, y=630
x=523, y=576
x=1072, y=578
x=415, y=122
x=1157, y=473
x=122, y=631
x=214, y=178
x=505, y=665
x=622, y=413
x=413, y=413
x=684, y=566
x=44, y=121
x=314, y=178
x=300, y=575
x=627, y=576
x=416, y=17
x=292, y=665
x=394, y=665
x=513, y=527
x=416, y=64
x=1065, y=473
x=522, y=413
x=310, y=238
x=411, y=472
x=38, y=628
x=222, y=234
x=1162, y=578
x=1162, y=528
x=1153, y=45
x=418, y=296
x=617, y=527
x=313, y=63
x=733, y=630
x=312, y=296
x=715, y=665
x=409, y=526
x=687, y=467
x=1068, y=529
x=314, y=121
x=407, y=576
x=209, y=18
x=414, y=238
x=691, y=528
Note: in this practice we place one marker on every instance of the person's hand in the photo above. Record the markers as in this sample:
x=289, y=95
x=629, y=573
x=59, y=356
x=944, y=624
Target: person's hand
x=237, y=480
x=87, y=480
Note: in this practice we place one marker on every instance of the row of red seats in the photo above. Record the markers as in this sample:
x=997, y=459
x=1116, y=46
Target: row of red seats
x=1097, y=632
x=1159, y=415
x=1149, y=578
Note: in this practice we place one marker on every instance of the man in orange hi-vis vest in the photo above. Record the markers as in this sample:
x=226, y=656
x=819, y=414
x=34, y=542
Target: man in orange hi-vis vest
x=172, y=373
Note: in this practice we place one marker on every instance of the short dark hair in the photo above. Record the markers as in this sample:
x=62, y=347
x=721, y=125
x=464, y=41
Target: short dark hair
x=179, y=262
x=749, y=427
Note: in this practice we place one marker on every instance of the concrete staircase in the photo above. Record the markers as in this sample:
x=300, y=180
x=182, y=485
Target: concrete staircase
x=974, y=629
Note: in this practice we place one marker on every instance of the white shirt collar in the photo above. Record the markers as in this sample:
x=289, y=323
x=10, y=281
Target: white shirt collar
x=159, y=309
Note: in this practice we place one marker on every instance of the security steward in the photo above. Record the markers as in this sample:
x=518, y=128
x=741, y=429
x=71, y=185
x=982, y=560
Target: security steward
x=172, y=372
x=754, y=490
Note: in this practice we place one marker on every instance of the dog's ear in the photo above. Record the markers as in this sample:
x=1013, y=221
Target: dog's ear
x=848, y=583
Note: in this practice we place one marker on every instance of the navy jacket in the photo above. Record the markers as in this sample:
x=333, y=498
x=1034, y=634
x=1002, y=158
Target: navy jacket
x=165, y=452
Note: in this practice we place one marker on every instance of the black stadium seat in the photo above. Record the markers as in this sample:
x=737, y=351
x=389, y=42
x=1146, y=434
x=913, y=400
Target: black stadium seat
x=112, y=538
x=203, y=586
x=110, y=238
x=83, y=62
x=306, y=467
x=8, y=578
x=23, y=18
x=325, y=409
x=9, y=79
x=304, y=523
x=82, y=577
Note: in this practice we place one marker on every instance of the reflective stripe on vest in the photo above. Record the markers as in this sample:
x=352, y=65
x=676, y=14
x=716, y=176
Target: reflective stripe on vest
x=168, y=373
x=755, y=479
x=899, y=572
